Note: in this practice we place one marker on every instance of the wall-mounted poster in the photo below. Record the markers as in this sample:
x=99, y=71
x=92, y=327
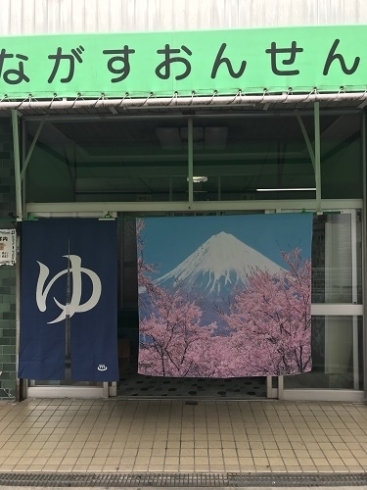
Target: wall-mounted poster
x=8, y=247
x=68, y=315
x=225, y=296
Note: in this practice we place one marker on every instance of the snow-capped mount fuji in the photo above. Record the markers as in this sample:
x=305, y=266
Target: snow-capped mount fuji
x=220, y=265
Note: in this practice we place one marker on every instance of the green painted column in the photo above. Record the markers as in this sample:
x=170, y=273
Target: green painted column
x=7, y=273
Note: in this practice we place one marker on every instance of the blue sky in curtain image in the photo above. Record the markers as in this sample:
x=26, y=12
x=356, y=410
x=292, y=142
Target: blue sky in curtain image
x=170, y=240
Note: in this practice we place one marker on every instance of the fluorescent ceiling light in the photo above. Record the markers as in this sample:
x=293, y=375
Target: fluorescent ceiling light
x=288, y=189
x=197, y=179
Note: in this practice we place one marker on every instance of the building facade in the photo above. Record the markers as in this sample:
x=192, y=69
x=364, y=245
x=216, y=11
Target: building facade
x=289, y=136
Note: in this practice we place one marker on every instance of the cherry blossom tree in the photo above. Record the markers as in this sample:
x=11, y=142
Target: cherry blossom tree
x=270, y=320
x=267, y=325
x=172, y=342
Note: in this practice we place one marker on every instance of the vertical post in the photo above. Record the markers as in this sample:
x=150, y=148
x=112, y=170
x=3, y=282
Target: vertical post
x=24, y=156
x=67, y=320
x=307, y=139
x=27, y=157
x=170, y=189
x=21, y=384
x=280, y=387
x=317, y=156
x=18, y=182
x=113, y=388
x=364, y=255
x=19, y=217
x=353, y=218
x=190, y=150
x=219, y=188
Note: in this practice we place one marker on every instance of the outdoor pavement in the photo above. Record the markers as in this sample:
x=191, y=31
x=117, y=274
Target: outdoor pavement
x=63, y=435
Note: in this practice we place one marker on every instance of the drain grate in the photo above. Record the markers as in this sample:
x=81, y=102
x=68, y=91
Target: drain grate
x=182, y=480
x=297, y=480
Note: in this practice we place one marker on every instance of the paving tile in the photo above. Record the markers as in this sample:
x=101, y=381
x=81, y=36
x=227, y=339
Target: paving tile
x=163, y=436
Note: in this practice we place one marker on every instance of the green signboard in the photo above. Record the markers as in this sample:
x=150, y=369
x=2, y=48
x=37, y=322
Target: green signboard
x=301, y=59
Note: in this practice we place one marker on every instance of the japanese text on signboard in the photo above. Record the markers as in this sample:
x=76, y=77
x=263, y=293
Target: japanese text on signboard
x=161, y=63
x=63, y=65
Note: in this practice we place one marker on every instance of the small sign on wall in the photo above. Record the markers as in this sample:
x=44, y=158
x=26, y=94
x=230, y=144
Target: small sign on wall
x=8, y=247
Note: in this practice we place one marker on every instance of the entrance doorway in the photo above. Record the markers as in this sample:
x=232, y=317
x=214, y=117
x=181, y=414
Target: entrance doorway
x=133, y=165
x=134, y=385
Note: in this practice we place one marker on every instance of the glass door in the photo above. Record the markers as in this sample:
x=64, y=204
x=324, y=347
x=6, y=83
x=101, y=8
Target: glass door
x=337, y=311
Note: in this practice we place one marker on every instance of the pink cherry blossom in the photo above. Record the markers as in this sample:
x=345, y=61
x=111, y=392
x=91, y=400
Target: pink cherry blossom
x=267, y=325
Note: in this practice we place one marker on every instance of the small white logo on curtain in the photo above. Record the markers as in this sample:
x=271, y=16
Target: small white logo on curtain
x=74, y=306
x=102, y=367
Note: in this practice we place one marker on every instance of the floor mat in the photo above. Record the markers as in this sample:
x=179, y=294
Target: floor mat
x=139, y=386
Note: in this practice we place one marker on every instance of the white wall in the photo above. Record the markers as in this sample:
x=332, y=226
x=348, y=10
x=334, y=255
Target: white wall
x=73, y=16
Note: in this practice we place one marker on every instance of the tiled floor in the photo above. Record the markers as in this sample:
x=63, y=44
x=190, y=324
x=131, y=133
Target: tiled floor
x=172, y=436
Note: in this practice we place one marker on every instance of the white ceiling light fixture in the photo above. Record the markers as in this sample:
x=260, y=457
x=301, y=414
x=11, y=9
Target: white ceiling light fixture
x=198, y=179
x=287, y=189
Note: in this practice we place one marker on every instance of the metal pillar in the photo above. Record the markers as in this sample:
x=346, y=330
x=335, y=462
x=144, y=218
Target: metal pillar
x=106, y=389
x=29, y=154
x=170, y=189
x=280, y=387
x=317, y=156
x=21, y=384
x=19, y=217
x=307, y=139
x=353, y=233
x=219, y=188
x=18, y=180
x=364, y=254
x=190, y=159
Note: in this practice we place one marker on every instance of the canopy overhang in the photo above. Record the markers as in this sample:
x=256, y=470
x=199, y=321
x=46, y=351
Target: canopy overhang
x=120, y=106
